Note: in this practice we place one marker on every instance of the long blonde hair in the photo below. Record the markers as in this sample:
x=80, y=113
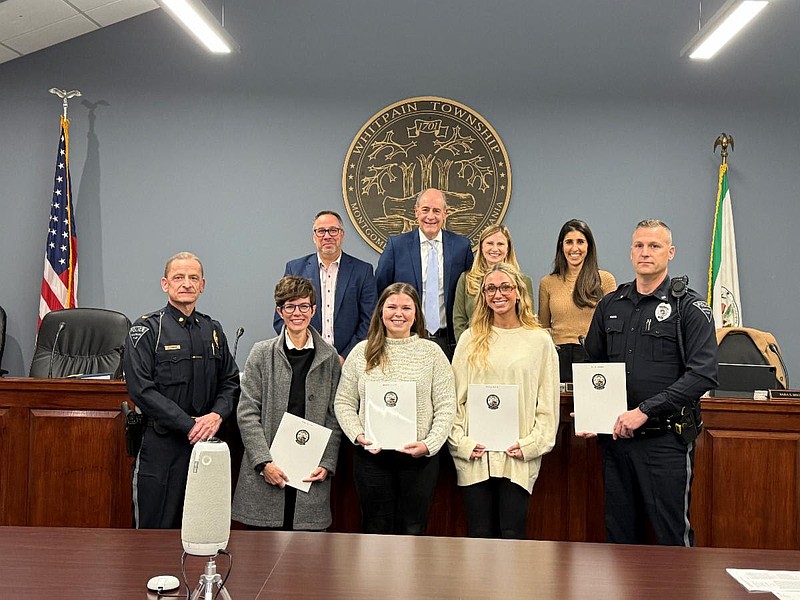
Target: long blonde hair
x=483, y=317
x=375, y=352
x=480, y=267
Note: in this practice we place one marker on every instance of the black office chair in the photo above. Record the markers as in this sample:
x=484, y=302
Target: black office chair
x=2, y=338
x=747, y=346
x=80, y=341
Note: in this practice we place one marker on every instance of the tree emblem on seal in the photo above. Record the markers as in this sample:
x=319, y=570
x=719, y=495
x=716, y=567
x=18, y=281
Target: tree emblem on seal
x=420, y=143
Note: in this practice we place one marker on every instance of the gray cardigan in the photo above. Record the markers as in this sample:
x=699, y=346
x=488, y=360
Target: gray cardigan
x=265, y=395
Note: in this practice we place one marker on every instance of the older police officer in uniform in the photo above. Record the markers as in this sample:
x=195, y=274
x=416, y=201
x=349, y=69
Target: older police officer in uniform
x=181, y=374
x=664, y=333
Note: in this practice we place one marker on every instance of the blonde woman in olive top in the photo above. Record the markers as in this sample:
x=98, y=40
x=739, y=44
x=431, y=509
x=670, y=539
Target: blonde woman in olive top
x=568, y=295
x=504, y=345
x=395, y=487
x=494, y=247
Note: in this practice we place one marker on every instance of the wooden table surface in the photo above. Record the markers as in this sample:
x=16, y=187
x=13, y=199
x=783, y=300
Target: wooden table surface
x=63, y=563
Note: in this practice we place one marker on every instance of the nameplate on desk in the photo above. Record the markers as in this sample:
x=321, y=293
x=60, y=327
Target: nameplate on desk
x=90, y=376
x=784, y=394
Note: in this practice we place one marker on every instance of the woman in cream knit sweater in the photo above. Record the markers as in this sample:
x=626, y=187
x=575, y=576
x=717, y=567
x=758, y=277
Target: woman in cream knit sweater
x=504, y=345
x=395, y=487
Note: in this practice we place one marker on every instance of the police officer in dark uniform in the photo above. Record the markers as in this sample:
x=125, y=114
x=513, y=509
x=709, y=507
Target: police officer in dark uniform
x=181, y=374
x=665, y=335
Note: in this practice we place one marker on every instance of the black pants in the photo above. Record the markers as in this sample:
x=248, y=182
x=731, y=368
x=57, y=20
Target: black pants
x=568, y=354
x=159, y=480
x=395, y=491
x=648, y=479
x=496, y=508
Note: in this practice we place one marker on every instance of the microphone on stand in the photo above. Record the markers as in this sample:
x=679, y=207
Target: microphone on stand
x=53, y=351
x=239, y=333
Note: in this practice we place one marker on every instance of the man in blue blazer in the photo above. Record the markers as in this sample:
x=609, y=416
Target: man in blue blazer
x=344, y=285
x=411, y=257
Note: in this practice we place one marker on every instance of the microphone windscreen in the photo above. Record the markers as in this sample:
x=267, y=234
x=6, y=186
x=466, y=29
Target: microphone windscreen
x=207, y=506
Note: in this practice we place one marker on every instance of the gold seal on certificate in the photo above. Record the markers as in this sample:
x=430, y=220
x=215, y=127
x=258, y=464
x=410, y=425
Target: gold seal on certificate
x=493, y=413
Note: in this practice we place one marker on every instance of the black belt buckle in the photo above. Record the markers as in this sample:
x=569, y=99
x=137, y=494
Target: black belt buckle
x=652, y=428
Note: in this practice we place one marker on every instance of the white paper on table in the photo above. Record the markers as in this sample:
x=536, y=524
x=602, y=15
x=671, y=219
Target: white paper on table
x=599, y=396
x=391, y=414
x=493, y=414
x=784, y=584
x=297, y=449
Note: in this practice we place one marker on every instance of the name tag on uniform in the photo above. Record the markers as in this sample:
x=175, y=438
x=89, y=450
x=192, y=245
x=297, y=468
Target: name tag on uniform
x=173, y=347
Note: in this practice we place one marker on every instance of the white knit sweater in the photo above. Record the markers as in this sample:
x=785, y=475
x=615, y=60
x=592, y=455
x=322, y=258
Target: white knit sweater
x=409, y=359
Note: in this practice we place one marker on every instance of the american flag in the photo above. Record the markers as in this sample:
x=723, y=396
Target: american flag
x=60, y=281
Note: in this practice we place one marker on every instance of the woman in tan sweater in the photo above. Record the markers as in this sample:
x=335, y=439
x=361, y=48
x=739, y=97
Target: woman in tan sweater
x=568, y=295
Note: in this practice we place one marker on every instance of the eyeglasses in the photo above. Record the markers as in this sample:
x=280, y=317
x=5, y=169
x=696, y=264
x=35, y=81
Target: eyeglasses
x=504, y=288
x=290, y=308
x=320, y=232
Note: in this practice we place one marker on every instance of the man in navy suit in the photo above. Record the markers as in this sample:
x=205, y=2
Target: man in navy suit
x=424, y=256
x=344, y=285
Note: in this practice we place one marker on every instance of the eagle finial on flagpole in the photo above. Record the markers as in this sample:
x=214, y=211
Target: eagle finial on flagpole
x=65, y=96
x=723, y=140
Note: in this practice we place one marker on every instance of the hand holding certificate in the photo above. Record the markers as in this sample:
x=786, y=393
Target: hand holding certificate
x=297, y=450
x=599, y=396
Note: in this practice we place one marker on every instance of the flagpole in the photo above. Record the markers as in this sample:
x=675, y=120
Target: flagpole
x=59, y=288
x=723, y=275
x=65, y=96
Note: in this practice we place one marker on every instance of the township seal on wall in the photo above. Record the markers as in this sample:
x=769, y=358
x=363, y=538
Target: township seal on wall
x=419, y=143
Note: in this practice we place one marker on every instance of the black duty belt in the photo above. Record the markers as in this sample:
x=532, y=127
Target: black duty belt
x=652, y=428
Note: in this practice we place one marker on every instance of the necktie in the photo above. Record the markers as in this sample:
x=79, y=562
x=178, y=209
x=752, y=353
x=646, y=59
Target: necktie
x=432, y=290
x=197, y=385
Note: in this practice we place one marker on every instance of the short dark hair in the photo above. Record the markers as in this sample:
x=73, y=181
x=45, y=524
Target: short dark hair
x=292, y=287
x=329, y=212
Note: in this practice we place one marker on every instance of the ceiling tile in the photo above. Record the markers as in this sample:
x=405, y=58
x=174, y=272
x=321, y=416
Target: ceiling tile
x=22, y=16
x=51, y=34
x=6, y=54
x=86, y=5
x=113, y=12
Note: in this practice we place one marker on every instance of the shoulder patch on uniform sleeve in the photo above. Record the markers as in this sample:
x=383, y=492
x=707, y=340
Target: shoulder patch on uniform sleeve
x=136, y=333
x=703, y=308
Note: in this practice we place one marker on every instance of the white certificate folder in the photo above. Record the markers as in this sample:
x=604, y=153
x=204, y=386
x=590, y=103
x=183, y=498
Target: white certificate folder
x=297, y=449
x=391, y=419
x=598, y=395
x=493, y=415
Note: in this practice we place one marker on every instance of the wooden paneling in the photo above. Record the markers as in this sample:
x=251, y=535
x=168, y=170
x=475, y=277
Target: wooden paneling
x=63, y=462
x=63, y=453
x=746, y=492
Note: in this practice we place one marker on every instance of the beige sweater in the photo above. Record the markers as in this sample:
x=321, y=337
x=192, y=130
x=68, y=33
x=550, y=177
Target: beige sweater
x=410, y=359
x=523, y=357
x=558, y=312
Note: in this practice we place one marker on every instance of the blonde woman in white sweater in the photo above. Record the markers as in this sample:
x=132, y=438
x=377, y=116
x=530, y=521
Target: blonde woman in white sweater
x=395, y=487
x=504, y=345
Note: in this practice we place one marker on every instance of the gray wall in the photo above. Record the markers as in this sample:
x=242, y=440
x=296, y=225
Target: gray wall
x=231, y=157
